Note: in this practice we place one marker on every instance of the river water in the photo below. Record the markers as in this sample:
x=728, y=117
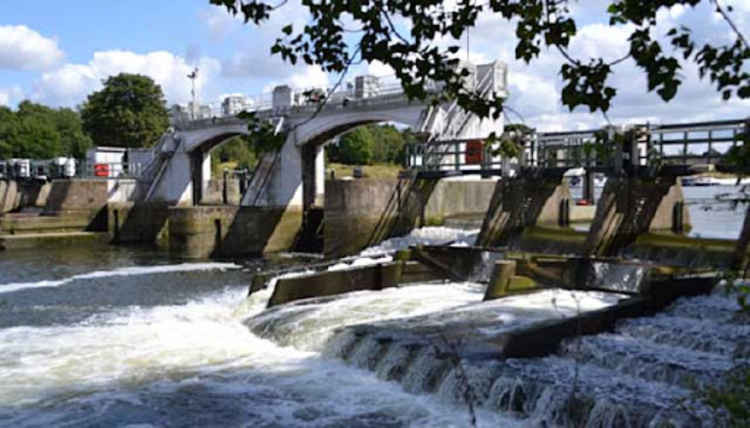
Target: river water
x=126, y=337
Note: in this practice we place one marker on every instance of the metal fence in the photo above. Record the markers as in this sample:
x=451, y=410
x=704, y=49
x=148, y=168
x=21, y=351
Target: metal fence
x=671, y=144
x=109, y=170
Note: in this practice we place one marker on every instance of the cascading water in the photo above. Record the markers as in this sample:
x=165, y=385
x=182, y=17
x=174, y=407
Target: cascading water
x=116, y=343
x=178, y=345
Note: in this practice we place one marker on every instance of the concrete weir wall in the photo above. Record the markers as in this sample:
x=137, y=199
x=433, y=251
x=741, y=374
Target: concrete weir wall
x=214, y=192
x=145, y=222
x=520, y=203
x=67, y=205
x=215, y=231
x=360, y=213
x=15, y=195
x=630, y=207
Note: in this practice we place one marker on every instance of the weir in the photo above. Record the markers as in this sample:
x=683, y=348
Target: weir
x=587, y=354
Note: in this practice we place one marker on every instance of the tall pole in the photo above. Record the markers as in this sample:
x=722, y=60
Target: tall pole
x=192, y=76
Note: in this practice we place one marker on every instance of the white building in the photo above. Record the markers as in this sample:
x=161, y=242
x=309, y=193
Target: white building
x=234, y=104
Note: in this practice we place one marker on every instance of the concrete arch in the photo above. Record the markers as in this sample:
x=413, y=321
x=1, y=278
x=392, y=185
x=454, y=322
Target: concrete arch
x=321, y=129
x=208, y=138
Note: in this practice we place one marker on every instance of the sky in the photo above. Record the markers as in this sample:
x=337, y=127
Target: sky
x=56, y=53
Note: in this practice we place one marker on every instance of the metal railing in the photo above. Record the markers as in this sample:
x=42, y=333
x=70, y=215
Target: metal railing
x=454, y=155
x=670, y=144
x=109, y=170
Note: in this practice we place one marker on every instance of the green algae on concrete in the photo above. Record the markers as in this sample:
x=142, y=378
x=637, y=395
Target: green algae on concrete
x=52, y=239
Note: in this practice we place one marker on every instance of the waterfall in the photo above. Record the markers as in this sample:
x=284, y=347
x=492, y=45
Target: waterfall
x=639, y=375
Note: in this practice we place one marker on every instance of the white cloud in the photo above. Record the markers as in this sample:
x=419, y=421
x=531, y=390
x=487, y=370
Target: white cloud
x=70, y=84
x=22, y=48
x=219, y=22
x=310, y=77
x=10, y=96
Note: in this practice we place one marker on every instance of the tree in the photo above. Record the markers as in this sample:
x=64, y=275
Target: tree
x=40, y=132
x=354, y=148
x=73, y=140
x=238, y=149
x=410, y=37
x=130, y=111
x=8, y=128
x=389, y=143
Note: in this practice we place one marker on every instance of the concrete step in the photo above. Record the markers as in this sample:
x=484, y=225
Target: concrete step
x=37, y=240
x=25, y=223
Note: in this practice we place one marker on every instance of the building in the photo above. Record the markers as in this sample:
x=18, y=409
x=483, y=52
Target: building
x=178, y=114
x=234, y=104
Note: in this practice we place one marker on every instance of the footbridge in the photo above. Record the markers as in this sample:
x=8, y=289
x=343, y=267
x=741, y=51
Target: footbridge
x=293, y=177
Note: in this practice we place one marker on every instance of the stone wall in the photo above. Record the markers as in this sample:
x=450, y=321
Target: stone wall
x=146, y=222
x=226, y=231
x=76, y=195
x=361, y=213
x=213, y=194
x=454, y=198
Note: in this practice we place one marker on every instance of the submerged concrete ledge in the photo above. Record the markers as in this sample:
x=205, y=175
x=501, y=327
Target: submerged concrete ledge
x=50, y=239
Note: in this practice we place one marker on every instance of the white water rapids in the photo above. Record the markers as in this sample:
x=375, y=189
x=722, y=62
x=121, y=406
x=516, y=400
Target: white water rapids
x=195, y=361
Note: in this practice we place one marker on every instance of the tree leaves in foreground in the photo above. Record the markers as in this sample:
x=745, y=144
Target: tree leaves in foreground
x=130, y=111
x=377, y=30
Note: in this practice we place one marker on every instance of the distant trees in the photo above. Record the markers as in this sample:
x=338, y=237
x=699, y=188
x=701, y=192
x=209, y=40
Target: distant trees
x=354, y=148
x=239, y=150
x=40, y=132
x=130, y=111
x=371, y=144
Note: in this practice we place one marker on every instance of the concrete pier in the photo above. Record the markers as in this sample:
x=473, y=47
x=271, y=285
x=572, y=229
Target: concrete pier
x=633, y=206
x=523, y=202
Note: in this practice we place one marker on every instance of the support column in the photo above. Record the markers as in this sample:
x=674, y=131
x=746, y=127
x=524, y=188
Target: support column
x=520, y=202
x=740, y=261
x=630, y=207
x=311, y=176
x=588, y=187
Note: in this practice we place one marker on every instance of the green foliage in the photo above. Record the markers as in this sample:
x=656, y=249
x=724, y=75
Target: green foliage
x=128, y=112
x=419, y=55
x=263, y=137
x=372, y=144
x=511, y=144
x=354, y=148
x=39, y=132
x=738, y=156
x=238, y=149
x=388, y=144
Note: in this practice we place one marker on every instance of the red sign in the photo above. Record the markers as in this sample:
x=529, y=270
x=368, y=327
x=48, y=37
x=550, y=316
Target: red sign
x=474, y=152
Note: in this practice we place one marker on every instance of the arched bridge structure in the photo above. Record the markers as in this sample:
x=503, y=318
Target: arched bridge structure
x=293, y=177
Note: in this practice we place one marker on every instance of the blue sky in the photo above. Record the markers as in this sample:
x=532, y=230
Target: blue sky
x=58, y=52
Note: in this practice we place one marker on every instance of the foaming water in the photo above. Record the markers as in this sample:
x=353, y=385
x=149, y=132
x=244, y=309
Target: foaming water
x=425, y=236
x=199, y=352
x=183, y=364
x=124, y=271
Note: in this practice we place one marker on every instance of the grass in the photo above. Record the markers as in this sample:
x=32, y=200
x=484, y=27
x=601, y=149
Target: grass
x=369, y=171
